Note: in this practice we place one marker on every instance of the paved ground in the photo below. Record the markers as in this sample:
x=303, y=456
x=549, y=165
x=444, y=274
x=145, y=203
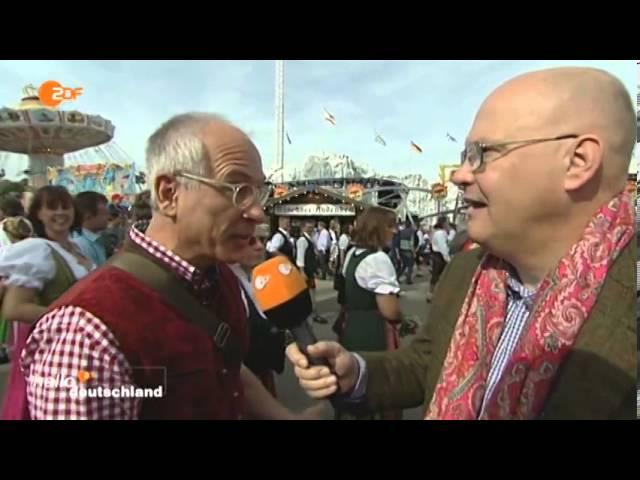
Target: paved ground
x=289, y=392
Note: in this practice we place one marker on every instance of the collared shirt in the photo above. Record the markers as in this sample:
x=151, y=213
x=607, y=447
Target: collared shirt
x=520, y=301
x=519, y=304
x=278, y=240
x=440, y=243
x=324, y=241
x=91, y=247
x=343, y=242
x=67, y=339
x=302, y=244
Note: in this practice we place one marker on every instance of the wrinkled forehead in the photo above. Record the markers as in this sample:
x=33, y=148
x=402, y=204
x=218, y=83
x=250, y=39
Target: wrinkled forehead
x=234, y=158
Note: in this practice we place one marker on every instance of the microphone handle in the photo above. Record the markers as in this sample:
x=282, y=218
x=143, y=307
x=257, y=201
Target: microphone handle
x=304, y=336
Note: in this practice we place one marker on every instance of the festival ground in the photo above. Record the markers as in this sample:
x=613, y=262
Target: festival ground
x=289, y=392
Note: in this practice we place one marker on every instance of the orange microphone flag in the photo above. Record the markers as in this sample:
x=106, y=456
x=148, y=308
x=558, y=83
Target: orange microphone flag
x=275, y=282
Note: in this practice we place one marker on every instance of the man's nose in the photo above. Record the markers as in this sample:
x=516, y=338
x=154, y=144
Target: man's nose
x=255, y=213
x=463, y=176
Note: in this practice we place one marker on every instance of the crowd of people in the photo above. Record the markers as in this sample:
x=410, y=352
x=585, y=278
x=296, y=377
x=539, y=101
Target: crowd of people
x=531, y=309
x=55, y=240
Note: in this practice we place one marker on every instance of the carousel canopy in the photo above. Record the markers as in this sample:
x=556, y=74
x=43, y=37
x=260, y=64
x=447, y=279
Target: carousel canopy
x=32, y=128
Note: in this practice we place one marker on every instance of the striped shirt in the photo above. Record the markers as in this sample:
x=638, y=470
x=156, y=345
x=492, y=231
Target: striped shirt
x=519, y=304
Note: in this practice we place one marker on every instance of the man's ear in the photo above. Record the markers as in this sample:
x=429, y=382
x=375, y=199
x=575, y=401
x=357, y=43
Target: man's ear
x=166, y=187
x=584, y=161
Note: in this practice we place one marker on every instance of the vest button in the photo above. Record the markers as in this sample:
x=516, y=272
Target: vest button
x=236, y=394
x=225, y=371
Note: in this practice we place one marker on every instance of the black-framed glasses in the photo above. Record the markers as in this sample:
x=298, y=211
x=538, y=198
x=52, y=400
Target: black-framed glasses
x=243, y=195
x=474, y=152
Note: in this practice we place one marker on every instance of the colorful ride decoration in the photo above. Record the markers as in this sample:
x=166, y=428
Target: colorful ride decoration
x=439, y=191
x=107, y=178
x=355, y=191
x=446, y=171
x=47, y=134
x=280, y=191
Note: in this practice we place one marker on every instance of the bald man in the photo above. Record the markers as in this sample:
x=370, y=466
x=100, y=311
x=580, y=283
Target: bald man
x=539, y=322
x=160, y=332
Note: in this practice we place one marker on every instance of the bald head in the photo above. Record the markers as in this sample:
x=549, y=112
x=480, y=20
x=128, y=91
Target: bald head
x=560, y=101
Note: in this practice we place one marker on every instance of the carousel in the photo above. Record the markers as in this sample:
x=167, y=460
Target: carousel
x=47, y=134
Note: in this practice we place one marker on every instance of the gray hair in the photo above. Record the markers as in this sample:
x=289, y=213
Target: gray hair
x=177, y=146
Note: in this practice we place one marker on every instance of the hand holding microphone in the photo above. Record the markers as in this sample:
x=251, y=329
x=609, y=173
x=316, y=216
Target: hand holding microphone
x=319, y=381
x=282, y=294
x=323, y=368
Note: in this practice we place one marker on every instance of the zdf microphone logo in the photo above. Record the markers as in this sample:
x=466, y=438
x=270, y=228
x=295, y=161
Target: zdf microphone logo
x=52, y=94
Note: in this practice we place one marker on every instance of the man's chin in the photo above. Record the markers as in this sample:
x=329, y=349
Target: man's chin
x=476, y=235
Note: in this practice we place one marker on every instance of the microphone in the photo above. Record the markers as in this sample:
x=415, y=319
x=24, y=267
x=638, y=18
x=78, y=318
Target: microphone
x=283, y=296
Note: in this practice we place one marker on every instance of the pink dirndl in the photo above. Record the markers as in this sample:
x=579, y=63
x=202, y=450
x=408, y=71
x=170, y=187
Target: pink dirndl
x=15, y=405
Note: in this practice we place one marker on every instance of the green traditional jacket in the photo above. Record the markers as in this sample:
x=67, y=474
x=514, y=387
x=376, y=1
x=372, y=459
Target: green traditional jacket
x=597, y=379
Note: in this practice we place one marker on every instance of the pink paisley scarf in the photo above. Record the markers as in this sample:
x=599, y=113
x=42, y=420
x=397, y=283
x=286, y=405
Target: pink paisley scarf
x=563, y=303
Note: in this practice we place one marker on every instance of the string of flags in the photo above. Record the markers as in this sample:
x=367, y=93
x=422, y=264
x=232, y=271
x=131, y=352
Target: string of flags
x=330, y=118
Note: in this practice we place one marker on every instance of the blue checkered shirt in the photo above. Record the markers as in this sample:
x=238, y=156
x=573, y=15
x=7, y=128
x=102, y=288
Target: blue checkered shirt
x=519, y=304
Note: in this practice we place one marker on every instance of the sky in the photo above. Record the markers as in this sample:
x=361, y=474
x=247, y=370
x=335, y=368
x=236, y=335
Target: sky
x=403, y=101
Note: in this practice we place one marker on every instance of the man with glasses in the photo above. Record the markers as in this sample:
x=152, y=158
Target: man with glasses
x=538, y=322
x=166, y=335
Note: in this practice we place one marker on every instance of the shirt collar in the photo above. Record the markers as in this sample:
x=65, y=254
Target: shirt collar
x=198, y=278
x=516, y=290
x=89, y=235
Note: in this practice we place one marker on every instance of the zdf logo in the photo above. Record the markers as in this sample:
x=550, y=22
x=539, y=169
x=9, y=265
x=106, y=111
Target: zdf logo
x=52, y=94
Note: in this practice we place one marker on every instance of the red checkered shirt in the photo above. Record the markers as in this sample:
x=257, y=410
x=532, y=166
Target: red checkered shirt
x=68, y=339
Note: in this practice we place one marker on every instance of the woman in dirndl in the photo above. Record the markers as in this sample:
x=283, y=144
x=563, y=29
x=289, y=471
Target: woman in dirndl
x=37, y=271
x=12, y=230
x=372, y=290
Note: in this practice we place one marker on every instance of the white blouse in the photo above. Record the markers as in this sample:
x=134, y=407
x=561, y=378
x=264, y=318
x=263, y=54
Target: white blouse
x=29, y=263
x=375, y=273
